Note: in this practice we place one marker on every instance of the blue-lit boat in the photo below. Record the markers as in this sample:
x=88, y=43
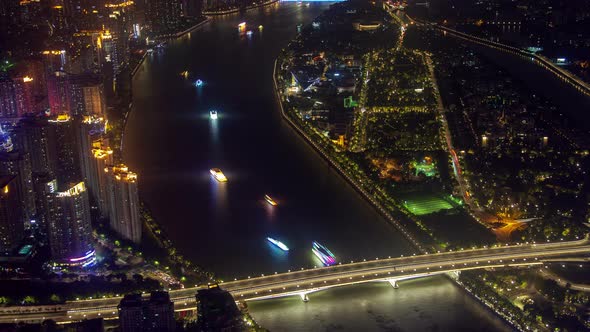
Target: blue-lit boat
x=324, y=255
x=278, y=243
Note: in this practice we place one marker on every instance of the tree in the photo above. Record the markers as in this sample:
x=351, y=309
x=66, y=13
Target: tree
x=55, y=298
x=29, y=300
x=138, y=278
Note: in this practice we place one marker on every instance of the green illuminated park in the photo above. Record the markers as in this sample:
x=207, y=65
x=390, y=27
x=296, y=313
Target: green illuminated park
x=423, y=204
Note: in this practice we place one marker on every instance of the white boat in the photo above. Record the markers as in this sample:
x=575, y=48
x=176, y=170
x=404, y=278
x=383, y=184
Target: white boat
x=218, y=174
x=278, y=243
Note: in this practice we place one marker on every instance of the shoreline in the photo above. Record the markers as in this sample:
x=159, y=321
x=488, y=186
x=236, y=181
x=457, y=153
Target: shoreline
x=376, y=205
x=183, y=32
x=138, y=66
x=236, y=10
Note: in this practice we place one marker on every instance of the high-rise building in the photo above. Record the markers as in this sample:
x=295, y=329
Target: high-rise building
x=8, y=106
x=69, y=228
x=86, y=95
x=9, y=18
x=108, y=58
x=45, y=185
x=11, y=221
x=95, y=156
x=102, y=156
x=67, y=144
x=123, y=202
x=16, y=96
x=76, y=95
x=163, y=15
x=59, y=15
x=141, y=315
x=217, y=310
x=191, y=8
x=36, y=137
x=120, y=25
x=54, y=61
x=59, y=93
x=18, y=163
x=53, y=145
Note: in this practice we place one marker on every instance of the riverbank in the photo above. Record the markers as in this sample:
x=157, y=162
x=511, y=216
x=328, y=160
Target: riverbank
x=235, y=10
x=357, y=186
x=184, y=32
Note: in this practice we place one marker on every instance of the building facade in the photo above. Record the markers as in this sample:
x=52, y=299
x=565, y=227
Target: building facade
x=123, y=202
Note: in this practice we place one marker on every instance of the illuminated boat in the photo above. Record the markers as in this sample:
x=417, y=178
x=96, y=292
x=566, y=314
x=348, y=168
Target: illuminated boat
x=242, y=26
x=198, y=83
x=278, y=243
x=184, y=74
x=270, y=200
x=249, y=33
x=213, y=114
x=260, y=27
x=218, y=174
x=325, y=255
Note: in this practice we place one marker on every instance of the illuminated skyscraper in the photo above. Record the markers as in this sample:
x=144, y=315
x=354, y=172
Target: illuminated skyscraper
x=123, y=202
x=138, y=315
x=8, y=105
x=53, y=146
x=11, y=220
x=120, y=26
x=18, y=164
x=36, y=137
x=108, y=57
x=163, y=15
x=58, y=93
x=16, y=96
x=95, y=156
x=86, y=95
x=59, y=19
x=66, y=145
x=54, y=60
x=102, y=156
x=69, y=229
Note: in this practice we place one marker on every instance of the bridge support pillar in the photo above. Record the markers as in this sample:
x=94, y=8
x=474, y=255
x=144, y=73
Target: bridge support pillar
x=455, y=274
x=304, y=297
x=393, y=283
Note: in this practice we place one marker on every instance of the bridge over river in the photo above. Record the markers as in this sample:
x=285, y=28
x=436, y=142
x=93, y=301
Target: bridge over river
x=305, y=281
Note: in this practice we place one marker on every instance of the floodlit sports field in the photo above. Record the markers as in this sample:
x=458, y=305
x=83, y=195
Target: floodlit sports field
x=425, y=204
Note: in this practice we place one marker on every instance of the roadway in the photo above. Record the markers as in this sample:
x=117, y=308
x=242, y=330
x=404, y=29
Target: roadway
x=540, y=60
x=305, y=281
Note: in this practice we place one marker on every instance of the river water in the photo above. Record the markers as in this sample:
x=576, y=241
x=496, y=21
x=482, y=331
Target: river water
x=171, y=142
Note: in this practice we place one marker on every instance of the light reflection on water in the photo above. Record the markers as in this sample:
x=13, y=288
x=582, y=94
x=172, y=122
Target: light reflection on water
x=428, y=304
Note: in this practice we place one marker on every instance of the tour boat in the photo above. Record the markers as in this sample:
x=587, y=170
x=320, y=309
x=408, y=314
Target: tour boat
x=325, y=255
x=270, y=200
x=218, y=174
x=213, y=114
x=278, y=243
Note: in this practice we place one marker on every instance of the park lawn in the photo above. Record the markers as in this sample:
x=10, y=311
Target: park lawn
x=422, y=204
